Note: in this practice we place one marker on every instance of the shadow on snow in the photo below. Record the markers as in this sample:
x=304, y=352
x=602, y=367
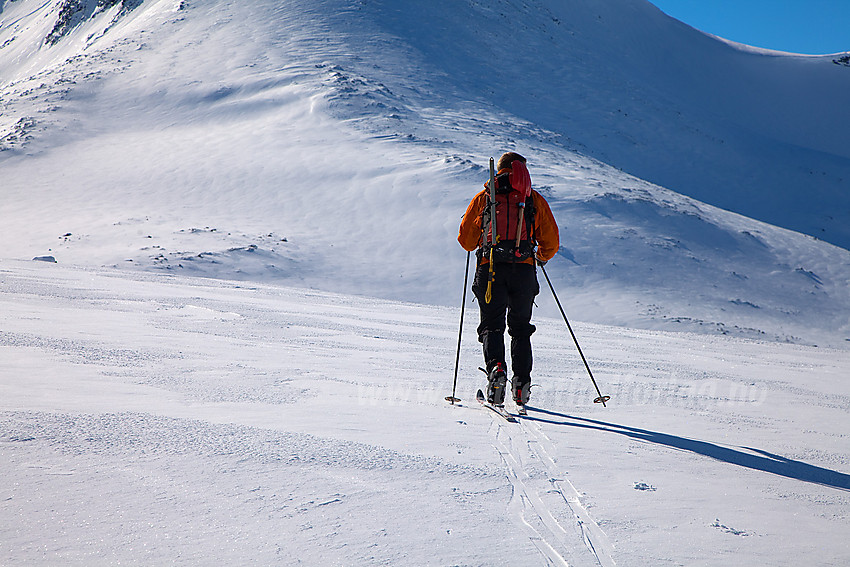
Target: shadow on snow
x=760, y=461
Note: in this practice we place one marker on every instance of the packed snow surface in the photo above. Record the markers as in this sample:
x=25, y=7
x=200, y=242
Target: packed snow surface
x=237, y=335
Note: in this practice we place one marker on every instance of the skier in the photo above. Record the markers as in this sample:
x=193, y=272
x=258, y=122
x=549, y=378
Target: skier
x=505, y=281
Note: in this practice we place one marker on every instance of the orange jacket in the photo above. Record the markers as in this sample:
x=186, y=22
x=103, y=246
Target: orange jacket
x=545, y=227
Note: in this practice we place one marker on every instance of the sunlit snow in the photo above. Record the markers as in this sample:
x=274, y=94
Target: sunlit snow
x=237, y=335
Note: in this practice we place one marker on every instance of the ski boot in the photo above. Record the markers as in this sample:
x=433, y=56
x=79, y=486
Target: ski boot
x=497, y=379
x=521, y=390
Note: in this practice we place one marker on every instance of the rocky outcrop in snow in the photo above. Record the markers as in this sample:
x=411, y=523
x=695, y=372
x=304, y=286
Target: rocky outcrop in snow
x=74, y=12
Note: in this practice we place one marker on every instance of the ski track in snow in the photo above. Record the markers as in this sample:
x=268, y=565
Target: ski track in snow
x=545, y=503
x=594, y=537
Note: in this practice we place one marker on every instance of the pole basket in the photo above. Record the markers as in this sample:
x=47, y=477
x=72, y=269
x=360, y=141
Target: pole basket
x=601, y=399
x=452, y=399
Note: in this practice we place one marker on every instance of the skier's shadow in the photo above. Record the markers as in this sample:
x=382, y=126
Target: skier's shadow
x=755, y=459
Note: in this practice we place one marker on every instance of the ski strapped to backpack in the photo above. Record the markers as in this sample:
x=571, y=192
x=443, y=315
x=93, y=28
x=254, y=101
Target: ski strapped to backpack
x=494, y=237
x=502, y=241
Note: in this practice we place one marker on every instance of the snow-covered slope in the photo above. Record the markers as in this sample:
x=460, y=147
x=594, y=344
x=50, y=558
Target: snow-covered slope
x=335, y=144
x=299, y=149
x=761, y=133
x=158, y=420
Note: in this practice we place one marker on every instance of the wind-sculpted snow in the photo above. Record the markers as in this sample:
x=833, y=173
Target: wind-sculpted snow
x=129, y=434
x=182, y=490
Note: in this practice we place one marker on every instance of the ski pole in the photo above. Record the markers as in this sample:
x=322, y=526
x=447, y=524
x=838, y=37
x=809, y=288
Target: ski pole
x=452, y=398
x=601, y=399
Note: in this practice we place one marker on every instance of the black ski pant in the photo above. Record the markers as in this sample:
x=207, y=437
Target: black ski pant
x=512, y=298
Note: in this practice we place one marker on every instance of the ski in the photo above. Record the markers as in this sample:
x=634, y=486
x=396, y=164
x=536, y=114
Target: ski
x=499, y=410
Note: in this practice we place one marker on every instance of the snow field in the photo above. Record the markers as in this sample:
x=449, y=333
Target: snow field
x=149, y=418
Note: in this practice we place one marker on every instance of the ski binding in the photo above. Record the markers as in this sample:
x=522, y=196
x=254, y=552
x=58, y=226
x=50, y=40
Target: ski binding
x=498, y=409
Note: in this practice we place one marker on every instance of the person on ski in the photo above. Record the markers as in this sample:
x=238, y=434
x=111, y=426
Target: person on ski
x=526, y=234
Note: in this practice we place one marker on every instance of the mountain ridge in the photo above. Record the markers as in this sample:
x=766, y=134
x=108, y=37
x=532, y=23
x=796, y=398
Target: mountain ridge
x=254, y=140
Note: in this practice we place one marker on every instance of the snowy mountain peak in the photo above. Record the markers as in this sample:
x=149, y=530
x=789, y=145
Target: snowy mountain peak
x=336, y=144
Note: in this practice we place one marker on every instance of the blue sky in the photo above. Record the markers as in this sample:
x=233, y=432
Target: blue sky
x=798, y=26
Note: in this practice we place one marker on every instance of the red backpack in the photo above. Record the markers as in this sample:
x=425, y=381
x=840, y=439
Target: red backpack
x=514, y=215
